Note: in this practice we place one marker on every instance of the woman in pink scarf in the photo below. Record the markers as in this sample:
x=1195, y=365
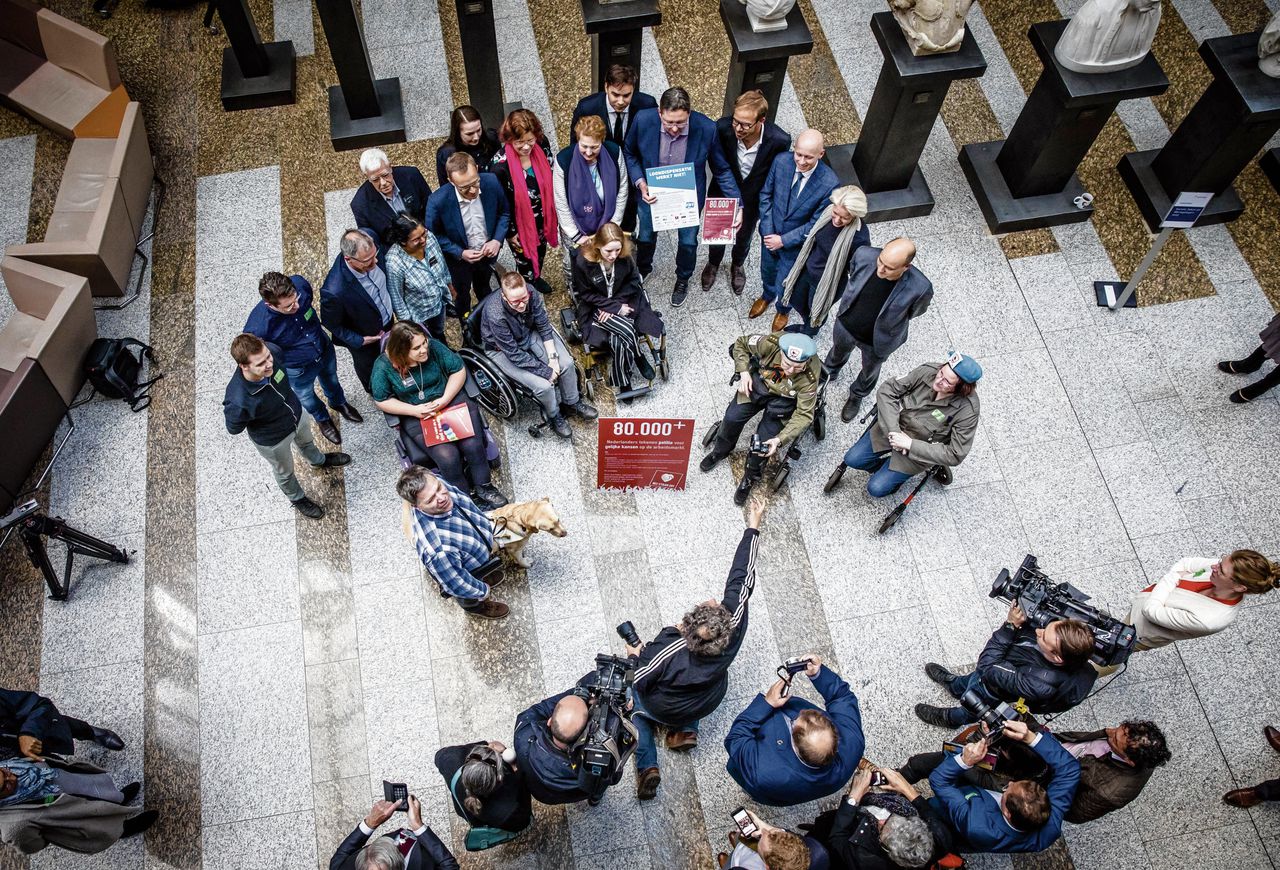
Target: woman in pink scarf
x=524, y=168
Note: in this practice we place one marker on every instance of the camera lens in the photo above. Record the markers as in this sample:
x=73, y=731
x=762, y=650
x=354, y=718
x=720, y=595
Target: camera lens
x=627, y=632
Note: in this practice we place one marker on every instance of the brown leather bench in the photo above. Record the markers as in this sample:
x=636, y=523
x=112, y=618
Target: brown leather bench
x=53, y=324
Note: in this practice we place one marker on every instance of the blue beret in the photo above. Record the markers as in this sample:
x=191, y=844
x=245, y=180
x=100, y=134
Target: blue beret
x=965, y=367
x=797, y=347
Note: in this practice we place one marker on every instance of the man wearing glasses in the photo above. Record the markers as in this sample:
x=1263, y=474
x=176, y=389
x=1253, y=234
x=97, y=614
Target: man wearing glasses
x=387, y=191
x=469, y=218
x=354, y=303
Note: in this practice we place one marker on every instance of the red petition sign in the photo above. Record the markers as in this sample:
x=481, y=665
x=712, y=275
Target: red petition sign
x=643, y=452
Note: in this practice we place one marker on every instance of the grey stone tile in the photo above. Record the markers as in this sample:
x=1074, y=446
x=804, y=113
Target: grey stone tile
x=630, y=858
x=340, y=805
x=225, y=294
x=569, y=648
x=247, y=577
x=987, y=521
x=423, y=89
x=1048, y=286
x=253, y=717
x=286, y=841
x=335, y=715
x=1239, y=448
x=293, y=22
x=562, y=581
x=1023, y=401
x=328, y=614
x=1178, y=446
x=959, y=611
x=337, y=211
x=124, y=855
x=616, y=821
x=1144, y=495
x=1192, y=366
x=234, y=486
x=380, y=549
x=390, y=621
x=99, y=483
x=1222, y=848
x=238, y=217
x=109, y=697
x=402, y=739
x=101, y=622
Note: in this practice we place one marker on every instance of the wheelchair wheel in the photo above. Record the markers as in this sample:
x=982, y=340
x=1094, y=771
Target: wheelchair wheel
x=820, y=422
x=780, y=478
x=664, y=370
x=892, y=520
x=494, y=392
x=711, y=435
x=660, y=356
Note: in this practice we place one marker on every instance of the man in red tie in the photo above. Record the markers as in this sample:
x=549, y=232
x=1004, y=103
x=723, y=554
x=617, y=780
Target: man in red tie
x=415, y=847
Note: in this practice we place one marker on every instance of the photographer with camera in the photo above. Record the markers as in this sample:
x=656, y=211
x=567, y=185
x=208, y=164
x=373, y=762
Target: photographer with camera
x=682, y=675
x=1026, y=817
x=1046, y=669
x=415, y=847
x=784, y=750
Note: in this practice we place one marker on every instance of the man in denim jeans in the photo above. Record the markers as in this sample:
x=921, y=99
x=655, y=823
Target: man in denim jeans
x=286, y=318
x=683, y=674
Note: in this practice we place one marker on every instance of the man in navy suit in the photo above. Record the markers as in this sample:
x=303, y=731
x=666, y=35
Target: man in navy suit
x=750, y=143
x=1026, y=817
x=617, y=106
x=354, y=303
x=415, y=847
x=794, y=194
x=785, y=751
x=387, y=191
x=469, y=217
x=671, y=134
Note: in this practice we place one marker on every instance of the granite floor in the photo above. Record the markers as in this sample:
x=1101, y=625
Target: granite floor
x=268, y=671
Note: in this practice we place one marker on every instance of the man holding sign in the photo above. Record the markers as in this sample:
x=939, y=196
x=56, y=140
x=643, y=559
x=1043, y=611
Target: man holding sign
x=676, y=144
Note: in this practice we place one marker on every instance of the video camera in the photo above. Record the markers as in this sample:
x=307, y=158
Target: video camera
x=1044, y=601
x=609, y=738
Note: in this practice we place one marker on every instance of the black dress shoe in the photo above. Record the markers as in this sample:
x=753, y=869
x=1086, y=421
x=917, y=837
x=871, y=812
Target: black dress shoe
x=488, y=497
x=329, y=431
x=646, y=368
x=939, y=674
x=107, y=739
x=139, y=823
x=744, y=489
x=933, y=715
x=561, y=426
x=308, y=508
x=850, y=408
x=738, y=279
x=710, y=461
x=348, y=412
x=335, y=460
x=130, y=792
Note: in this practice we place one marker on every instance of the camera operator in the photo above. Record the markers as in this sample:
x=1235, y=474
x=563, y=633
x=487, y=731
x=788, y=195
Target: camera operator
x=1026, y=817
x=413, y=848
x=1048, y=668
x=544, y=737
x=784, y=750
x=682, y=675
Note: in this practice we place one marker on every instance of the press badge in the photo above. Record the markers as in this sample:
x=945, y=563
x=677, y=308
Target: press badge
x=307, y=316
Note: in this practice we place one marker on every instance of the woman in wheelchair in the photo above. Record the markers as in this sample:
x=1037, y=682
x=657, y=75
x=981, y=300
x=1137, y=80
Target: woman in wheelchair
x=416, y=377
x=417, y=277
x=925, y=418
x=612, y=308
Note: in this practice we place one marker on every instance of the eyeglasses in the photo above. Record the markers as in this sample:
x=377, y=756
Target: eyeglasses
x=739, y=125
x=467, y=188
x=385, y=175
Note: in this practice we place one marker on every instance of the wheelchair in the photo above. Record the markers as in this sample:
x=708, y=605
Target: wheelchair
x=497, y=393
x=598, y=357
x=472, y=391
x=941, y=473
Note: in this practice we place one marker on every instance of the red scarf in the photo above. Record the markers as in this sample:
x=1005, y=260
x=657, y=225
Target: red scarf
x=526, y=223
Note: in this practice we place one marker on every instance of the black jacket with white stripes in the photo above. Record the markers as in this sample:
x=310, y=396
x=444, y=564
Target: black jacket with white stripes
x=678, y=687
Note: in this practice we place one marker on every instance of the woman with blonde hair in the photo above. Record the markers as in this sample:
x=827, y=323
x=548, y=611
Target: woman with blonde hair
x=612, y=308
x=590, y=179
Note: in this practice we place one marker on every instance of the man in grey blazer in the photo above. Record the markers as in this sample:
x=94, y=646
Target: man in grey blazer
x=884, y=293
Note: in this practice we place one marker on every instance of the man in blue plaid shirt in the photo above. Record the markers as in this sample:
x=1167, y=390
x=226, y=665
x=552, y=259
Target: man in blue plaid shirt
x=454, y=539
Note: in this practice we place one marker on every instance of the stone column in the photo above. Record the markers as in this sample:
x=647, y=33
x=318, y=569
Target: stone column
x=616, y=28
x=254, y=74
x=480, y=59
x=363, y=111
x=759, y=60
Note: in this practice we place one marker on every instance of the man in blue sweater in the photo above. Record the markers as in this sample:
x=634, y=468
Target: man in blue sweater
x=785, y=751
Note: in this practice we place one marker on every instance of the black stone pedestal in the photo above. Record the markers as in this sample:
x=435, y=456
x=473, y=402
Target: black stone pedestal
x=1232, y=121
x=1270, y=164
x=617, y=30
x=254, y=75
x=904, y=107
x=363, y=111
x=759, y=60
x=1029, y=180
x=480, y=59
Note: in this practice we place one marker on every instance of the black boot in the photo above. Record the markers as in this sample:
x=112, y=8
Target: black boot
x=139, y=823
x=744, y=489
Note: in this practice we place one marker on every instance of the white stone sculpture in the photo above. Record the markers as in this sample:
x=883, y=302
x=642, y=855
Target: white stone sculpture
x=768, y=15
x=931, y=26
x=1109, y=35
x=1269, y=48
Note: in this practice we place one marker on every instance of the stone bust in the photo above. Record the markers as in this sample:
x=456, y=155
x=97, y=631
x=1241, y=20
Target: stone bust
x=768, y=15
x=1109, y=35
x=1269, y=48
x=931, y=26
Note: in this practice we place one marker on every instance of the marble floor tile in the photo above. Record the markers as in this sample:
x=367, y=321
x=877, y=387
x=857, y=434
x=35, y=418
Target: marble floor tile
x=293, y=22
x=390, y=620
x=1176, y=443
x=379, y=548
x=328, y=613
x=234, y=486
x=225, y=295
x=1023, y=401
x=99, y=483
x=1224, y=848
x=111, y=697
x=1144, y=495
x=227, y=207
x=247, y=577
x=124, y=855
x=279, y=841
x=424, y=91
x=335, y=714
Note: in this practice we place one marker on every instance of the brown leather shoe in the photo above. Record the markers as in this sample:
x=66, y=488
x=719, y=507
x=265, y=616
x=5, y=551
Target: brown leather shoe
x=737, y=279
x=709, y=273
x=1273, y=737
x=758, y=307
x=647, y=782
x=490, y=609
x=780, y=321
x=1242, y=797
x=722, y=859
x=681, y=741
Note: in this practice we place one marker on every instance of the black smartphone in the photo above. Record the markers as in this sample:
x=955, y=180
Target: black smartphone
x=878, y=778
x=396, y=791
x=744, y=823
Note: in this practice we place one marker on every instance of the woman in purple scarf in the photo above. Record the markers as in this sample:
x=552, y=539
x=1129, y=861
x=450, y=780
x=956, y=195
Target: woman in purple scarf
x=590, y=187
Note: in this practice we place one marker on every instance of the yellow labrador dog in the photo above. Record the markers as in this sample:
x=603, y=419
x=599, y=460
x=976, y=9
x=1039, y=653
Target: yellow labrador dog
x=515, y=524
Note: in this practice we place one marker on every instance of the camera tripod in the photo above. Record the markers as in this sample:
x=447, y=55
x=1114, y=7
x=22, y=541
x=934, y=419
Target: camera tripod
x=35, y=527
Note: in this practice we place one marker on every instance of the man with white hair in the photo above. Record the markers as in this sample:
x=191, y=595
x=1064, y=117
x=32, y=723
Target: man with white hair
x=821, y=268
x=415, y=847
x=794, y=193
x=387, y=191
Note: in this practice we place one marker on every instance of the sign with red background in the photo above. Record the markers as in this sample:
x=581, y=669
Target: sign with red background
x=643, y=452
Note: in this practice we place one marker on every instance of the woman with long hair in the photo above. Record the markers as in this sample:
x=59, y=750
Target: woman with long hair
x=468, y=133
x=418, y=279
x=524, y=169
x=486, y=789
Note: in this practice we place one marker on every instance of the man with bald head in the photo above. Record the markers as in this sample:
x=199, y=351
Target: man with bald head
x=750, y=144
x=785, y=751
x=884, y=293
x=545, y=734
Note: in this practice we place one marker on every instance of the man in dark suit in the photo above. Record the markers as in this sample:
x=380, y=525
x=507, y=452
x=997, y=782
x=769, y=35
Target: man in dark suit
x=32, y=725
x=784, y=750
x=793, y=195
x=413, y=848
x=750, y=143
x=883, y=295
x=469, y=218
x=1026, y=817
x=672, y=134
x=387, y=191
x=355, y=305
x=617, y=106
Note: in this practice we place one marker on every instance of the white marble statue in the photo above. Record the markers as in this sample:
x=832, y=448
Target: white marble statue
x=931, y=26
x=767, y=15
x=1269, y=48
x=1109, y=35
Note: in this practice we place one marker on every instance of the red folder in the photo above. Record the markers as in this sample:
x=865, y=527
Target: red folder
x=451, y=424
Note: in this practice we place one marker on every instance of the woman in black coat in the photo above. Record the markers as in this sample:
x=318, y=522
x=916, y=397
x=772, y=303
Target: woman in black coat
x=486, y=789
x=612, y=308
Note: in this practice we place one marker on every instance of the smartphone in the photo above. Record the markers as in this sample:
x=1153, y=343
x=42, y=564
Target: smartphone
x=396, y=791
x=878, y=778
x=744, y=823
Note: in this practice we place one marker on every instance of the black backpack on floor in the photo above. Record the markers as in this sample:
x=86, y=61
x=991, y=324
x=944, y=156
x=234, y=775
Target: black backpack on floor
x=113, y=370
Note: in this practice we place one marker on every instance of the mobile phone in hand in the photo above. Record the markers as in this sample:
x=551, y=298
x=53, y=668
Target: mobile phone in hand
x=396, y=792
x=747, y=827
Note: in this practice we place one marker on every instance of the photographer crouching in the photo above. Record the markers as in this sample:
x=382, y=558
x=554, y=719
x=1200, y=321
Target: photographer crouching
x=682, y=675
